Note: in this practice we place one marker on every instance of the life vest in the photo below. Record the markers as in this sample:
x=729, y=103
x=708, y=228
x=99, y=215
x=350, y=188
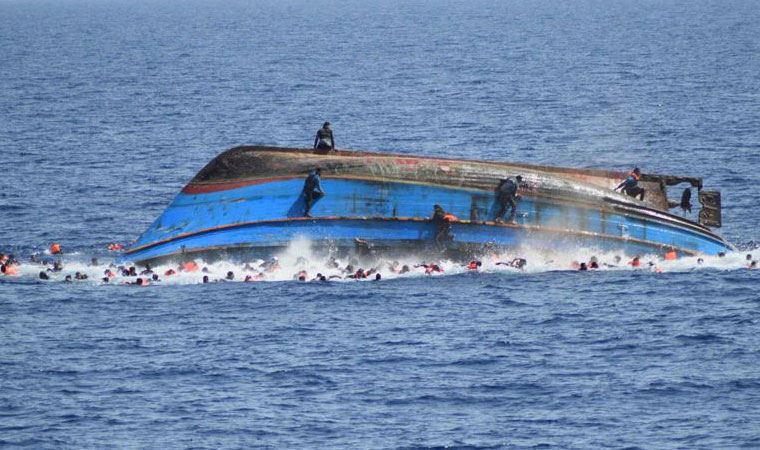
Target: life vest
x=55, y=249
x=635, y=262
x=448, y=217
x=671, y=255
x=11, y=270
x=473, y=265
x=190, y=266
x=635, y=176
x=115, y=247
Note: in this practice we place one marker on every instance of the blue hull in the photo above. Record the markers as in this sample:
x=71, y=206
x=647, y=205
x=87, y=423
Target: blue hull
x=268, y=214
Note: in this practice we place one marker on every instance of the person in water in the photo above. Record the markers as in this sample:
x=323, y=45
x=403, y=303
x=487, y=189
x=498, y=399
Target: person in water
x=506, y=193
x=312, y=189
x=631, y=185
x=324, y=139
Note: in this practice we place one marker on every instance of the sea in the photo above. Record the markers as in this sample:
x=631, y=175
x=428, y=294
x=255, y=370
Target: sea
x=108, y=107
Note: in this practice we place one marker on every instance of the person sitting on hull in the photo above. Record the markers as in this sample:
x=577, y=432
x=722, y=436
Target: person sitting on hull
x=312, y=189
x=631, y=185
x=324, y=139
x=506, y=193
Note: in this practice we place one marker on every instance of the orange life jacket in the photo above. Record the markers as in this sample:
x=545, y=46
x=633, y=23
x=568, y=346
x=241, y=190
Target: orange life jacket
x=55, y=249
x=448, y=217
x=671, y=255
x=190, y=266
x=635, y=263
x=473, y=265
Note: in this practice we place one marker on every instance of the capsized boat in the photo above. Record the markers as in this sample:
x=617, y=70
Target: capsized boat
x=250, y=199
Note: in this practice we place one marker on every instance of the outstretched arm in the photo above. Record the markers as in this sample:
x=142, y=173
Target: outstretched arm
x=316, y=139
x=332, y=139
x=620, y=185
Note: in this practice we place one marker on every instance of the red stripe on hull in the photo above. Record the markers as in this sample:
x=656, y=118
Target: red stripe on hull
x=228, y=185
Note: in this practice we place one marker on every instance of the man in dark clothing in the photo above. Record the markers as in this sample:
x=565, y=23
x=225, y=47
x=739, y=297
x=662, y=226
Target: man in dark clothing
x=506, y=193
x=443, y=225
x=312, y=189
x=324, y=139
x=631, y=185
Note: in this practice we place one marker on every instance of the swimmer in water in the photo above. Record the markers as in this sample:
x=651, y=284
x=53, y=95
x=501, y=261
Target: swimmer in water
x=271, y=265
x=230, y=276
x=583, y=267
x=473, y=265
x=517, y=263
x=430, y=268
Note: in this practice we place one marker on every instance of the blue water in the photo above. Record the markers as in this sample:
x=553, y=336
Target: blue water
x=108, y=107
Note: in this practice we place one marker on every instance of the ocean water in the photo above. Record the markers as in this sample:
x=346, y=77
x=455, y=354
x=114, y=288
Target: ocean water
x=108, y=107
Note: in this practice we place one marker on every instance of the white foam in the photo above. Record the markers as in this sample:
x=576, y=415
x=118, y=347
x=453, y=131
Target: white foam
x=299, y=256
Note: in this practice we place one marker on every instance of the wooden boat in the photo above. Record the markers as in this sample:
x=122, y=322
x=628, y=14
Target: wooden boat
x=250, y=200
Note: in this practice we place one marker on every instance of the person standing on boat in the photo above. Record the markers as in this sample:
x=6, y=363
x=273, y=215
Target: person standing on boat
x=324, y=139
x=631, y=185
x=506, y=193
x=312, y=189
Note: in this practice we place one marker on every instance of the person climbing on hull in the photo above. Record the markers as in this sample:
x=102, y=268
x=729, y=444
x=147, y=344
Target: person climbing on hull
x=312, y=189
x=631, y=186
x=506, y=194
x=442, y=221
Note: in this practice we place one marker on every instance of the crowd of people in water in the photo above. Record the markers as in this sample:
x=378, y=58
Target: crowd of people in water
x=52, y=267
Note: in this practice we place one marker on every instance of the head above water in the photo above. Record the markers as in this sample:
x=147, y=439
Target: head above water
x=637, y=171
x=326, y=125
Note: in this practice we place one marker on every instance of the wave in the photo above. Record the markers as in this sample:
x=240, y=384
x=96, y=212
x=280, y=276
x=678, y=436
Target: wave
x=300, y=261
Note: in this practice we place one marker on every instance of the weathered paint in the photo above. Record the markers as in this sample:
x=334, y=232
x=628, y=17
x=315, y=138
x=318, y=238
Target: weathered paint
x=269, y=214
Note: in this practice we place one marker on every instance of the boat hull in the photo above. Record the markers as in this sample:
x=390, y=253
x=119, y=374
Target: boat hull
x=260, y=215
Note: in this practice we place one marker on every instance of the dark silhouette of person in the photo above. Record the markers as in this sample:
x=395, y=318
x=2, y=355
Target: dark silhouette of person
x=324, y=140
x=506, y=193
x=312, y=189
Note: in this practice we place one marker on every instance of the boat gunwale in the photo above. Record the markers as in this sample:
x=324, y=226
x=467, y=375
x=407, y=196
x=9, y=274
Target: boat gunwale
x=404, y=219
